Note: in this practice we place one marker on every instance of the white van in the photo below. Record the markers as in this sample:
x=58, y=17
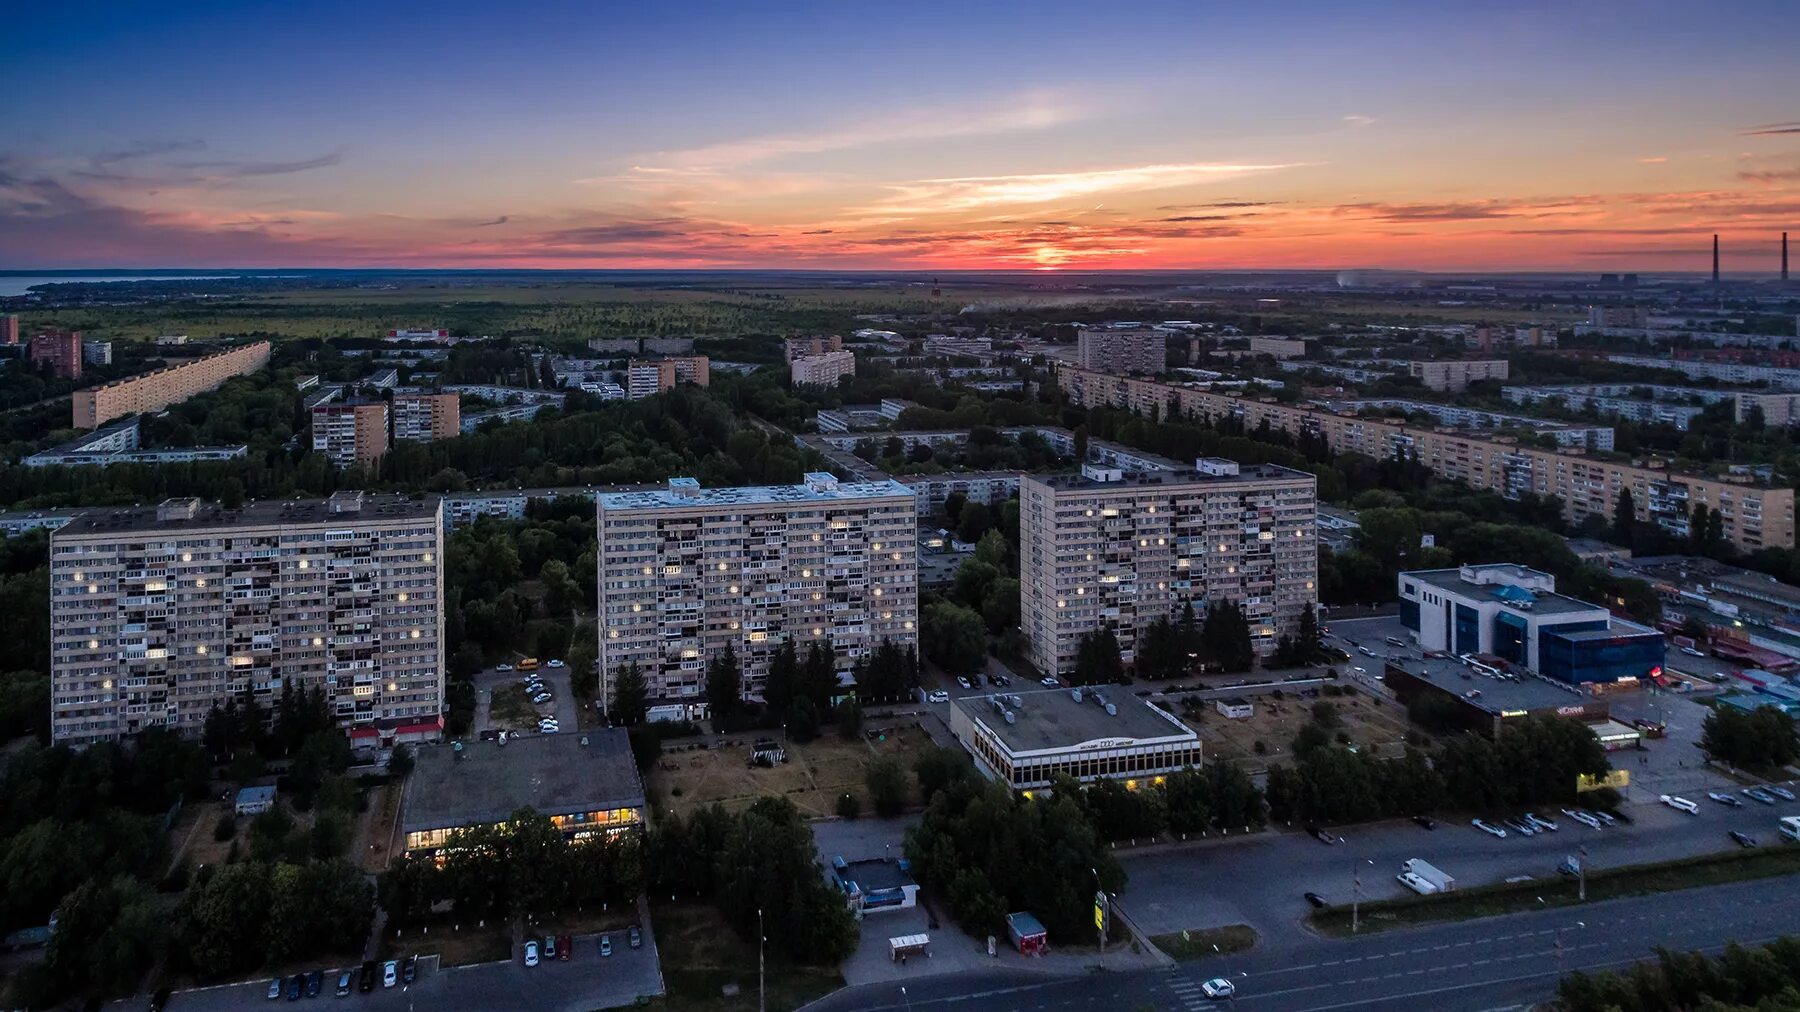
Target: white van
x=1790, y=827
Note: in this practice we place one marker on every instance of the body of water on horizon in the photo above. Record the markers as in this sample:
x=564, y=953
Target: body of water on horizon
x=11, y=287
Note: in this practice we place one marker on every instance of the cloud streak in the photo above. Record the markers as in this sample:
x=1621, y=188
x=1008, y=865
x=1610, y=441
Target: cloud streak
x=965, y=193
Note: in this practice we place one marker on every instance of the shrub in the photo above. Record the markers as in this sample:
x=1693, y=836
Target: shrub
x=848, y=807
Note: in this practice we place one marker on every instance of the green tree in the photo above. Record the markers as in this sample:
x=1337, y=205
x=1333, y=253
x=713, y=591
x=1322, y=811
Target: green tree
x=955, y=638
x=724, y=684
x=631, y=694
x=1097, y=658
x=975, y=521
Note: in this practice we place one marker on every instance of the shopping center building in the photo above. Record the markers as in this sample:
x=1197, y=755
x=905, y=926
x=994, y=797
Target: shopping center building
x=1025, y=738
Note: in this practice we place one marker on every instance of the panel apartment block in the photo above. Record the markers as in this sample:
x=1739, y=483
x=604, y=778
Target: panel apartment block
x=157, y=613
x=1754, y=515
x=1123, y=351
x=822, y=370
x=172, y=384
x=423, y=417
x=1110, y=547
x=684, y=571
x=352, y=433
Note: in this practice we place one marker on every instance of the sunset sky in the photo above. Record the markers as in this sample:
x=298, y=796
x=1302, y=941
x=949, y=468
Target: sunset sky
x=1569, y=135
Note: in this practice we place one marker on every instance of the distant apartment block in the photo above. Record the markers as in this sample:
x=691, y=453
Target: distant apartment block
x=1638, y=402
x=1108, y=547
x=423, y=417
x=406, y=335
x=1755, y=515
x=1278, y=347
x=1779, y=410
x=957, y=344
x=1138, y=350
x=9, y=329
x=686, y=570
x=97, y=352
x=159, y=613
x=351, y=433
x=172, y=384
x=1618, y=316
x=1457, y=374
x=119, y=443
x=822, y=370
x=1593, y=437
x=61, y=350
x=806, y=347
x=1779, y=377
x=171, y=340
x=648, y=377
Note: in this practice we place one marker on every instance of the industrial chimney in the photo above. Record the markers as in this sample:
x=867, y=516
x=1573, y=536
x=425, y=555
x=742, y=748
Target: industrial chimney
x=1715, y=259
x=1784, y=274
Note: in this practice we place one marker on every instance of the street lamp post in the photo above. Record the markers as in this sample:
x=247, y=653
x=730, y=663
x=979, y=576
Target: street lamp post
x=1356, y=897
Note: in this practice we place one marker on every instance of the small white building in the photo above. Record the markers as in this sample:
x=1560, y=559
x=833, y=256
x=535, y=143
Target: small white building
x=1236, y=708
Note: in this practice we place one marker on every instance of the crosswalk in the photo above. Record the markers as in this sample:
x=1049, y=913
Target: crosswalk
x=1187, y=992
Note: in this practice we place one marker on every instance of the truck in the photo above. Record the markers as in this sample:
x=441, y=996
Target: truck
x=1439, y=880
x=1790, y=827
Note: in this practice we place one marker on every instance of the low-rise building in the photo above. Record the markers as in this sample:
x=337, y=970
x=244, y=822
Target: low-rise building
x=22, y=521
x=1023, y=739
x=586, y=782
x=119, y=443
x=822, y=370
x=255, y=799
x=1278, y=347
x=1515, y=614
x=1485, y=703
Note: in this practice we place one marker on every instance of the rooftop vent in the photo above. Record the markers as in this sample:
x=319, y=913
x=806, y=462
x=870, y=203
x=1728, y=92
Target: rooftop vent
x=820, y=481
x=1094, y=472
x=1217, y=466
x=348, y=501
x=686, y=488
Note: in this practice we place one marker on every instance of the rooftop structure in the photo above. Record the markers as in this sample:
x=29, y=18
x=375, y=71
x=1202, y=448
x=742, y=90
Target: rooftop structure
x=586, y=782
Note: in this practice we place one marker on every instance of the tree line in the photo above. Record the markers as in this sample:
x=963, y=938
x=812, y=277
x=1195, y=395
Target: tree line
x=1740, y=979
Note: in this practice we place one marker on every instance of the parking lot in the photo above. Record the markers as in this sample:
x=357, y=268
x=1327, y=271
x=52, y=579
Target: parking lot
x=503, y=703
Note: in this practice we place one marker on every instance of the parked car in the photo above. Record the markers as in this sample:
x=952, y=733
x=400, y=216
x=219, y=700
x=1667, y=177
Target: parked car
x=531, y=953
x=390, y=973
x=605, y=945
x=1691, y=652
x=346, y=980
x=409, y=970
x=1316, y=900
x=564, y=946
x=1365, y=651
x=1218, y=989
x=1485, y=828
x=1722, y=798
x=964, y=682
x=296, y=987
x=553, y=663
x=366, y=980
x=541, y=698
x=1781, y=792
x=1759, y=795
x=275, y=989
x=1321, y=835
x=1049, y=680
x=1742, y=839
x=1425, y=822
x=634, y=936
x=1519, y=827
x=1542, y=823
x=938, y=696
x=503, y=667
x=1680, y=804
x=1606, y=818
x=160, y=1000
x=1582, y=817
x=1002, y=681
x=549, y=946
x=315, y=982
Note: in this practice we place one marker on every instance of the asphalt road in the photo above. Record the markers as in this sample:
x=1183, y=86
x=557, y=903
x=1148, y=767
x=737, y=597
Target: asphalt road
x=1477, y=965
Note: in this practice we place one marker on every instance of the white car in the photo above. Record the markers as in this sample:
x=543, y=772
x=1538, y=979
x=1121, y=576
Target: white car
x=1680, y=804
x=549, y=727
x=531, y=953
x=1582, y=817
x=938, y=696
x=1691, y=652
x=964, y=682
x=275, y=989
x=502, y=667
x=1781, y=792
x=1485, y=828
x=1050, y=681
x=553, y=663
x=390, y=973
x=1218, y=989
x=1542, y=823
x=541, y=698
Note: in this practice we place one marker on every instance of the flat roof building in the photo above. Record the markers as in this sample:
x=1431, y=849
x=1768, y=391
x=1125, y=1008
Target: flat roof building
x=1488, y=703
x=686, y=570
x=1515, y=614
x=586, y=782
x=1457, y=374
x=157, y=389
x=421, y=417
x=1107, y=547
x=62, y=351
x=1024, y=738
x=1755, y=514
x=351, y=432
x=119, y=443
x=822, y=370
x=157, y=613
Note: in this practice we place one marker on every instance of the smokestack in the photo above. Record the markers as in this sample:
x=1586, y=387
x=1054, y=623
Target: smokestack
x=1715, y=259
x=1784, y=274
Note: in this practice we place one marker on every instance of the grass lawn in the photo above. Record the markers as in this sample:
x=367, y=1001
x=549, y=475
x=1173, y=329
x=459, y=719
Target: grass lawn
x=512, y=708
x=701, y=955
x=1188, y=945
x=1606, y=884
x=815, y=774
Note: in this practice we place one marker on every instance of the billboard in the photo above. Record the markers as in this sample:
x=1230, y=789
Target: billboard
x=1618, y=780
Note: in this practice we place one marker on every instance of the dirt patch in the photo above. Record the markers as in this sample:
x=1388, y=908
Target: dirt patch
x=690, y=776
x=373, y=832
x=1370, y=724
x=512, y=709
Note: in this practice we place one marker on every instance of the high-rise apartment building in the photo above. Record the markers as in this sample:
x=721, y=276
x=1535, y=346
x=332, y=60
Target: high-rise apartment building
x=1122, y=350
x=61, y=349
x=172, y=384
x=1107, y=547
x=1753, y=514
x=9, y=329
x=158, y=613
x=803, y=347
x=822, y=370
x=97, y=352
x=351, y=433
x=1457, y=374
x=422, y=417
x=686, y=570
x=648, y=377
x=1618, y=316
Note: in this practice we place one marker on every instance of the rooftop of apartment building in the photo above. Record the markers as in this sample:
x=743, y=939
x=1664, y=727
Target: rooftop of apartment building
x=482, y=782
x=1508, y=589
x=1046, y=719
x=817, y=487
x=1210, y=471
x=193, y=514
